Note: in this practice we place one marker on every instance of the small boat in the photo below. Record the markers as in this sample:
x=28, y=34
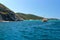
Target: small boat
x=45, y=20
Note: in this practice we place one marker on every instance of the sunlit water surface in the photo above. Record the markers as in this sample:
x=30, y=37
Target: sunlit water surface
x=30, y=30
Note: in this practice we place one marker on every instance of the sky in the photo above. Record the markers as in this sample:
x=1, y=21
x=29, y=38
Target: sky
x=44, y=8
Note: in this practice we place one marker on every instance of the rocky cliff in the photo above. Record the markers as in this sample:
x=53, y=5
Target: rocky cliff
x=7, y=15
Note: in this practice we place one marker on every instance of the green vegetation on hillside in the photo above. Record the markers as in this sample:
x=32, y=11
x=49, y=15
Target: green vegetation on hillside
x=29, y=16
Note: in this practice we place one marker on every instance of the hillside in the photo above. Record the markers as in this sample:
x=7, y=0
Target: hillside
x=29, y=16
x=8, y=15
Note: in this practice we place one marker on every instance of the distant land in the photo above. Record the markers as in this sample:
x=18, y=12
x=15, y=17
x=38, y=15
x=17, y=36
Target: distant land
x=8, y=15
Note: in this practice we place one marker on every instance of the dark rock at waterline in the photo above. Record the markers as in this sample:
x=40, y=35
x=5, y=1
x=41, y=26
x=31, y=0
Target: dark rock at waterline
x=8, y=15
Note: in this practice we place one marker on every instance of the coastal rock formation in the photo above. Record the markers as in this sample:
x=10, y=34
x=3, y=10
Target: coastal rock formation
x=7, y=15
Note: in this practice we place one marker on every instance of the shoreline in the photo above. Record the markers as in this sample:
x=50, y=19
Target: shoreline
x=25, y=20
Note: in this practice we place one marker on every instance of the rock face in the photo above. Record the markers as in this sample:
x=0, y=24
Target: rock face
x=7, y=15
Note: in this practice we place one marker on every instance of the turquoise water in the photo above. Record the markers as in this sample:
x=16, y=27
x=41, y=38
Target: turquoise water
x=30, y=30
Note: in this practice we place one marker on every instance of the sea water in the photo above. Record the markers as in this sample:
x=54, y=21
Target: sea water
x=30, y=30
